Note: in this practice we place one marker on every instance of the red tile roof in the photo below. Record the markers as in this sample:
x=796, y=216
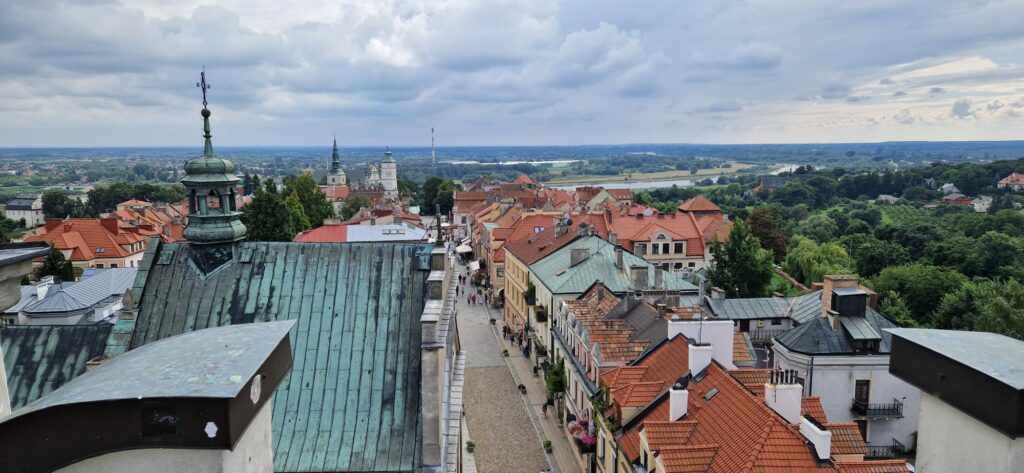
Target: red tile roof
x=621, y=194
x=523, y=179
x=89, y=238
x=846, y=439
x=874, y=466
x=499, y=255
x=679, y=226
x=335, y=192
x=740, y=348
x=687, y=459
x=324, y=234
x=660, y=435
x=1014, y=179
x=133, y=203
x=699, y=204
x=751, y=378
x=811, y=406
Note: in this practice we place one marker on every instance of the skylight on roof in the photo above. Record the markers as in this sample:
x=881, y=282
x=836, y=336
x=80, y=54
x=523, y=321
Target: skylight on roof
x=710, y=394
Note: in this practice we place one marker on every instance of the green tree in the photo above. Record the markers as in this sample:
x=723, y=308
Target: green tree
x=267, y=217
x=428, y=194
x=875, y=255
x=352, y=205
x=764, y=224
x=740, y=266
x=1004, y=313
x=895, y=307
x=795, y=192
x=314, y=203
x=922, y=286
x=53, y=265
x=818, y=227
x=446, y=196
x=808, y=262
x=299, y=220
x=58, y=205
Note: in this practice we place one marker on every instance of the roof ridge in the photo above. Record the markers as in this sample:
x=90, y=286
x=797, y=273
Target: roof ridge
x=759, y=445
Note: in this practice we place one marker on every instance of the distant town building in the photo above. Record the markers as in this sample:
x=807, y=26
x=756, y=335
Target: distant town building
x=94, y=299
x=887, y=199
x=972, y=397
x=380, y=187
x=958, y=199
x=164, y=220
x=336, y=232
x=982, y=203
x=25, y=206
x=92, y=242
x=1013, y=182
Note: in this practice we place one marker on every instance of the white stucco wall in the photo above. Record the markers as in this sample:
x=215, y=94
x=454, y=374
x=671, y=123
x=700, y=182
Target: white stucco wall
x=834, y=380
x=952, y=441
x=252, y=454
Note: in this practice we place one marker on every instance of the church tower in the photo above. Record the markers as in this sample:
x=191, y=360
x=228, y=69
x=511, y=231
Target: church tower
x=337, y=176
x=389, y=176
x=214, y=224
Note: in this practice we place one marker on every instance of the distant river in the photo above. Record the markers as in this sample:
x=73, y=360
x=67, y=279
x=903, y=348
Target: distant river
x=629, y=184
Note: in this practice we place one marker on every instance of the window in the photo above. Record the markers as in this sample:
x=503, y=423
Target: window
x=679, y=248
x=776, y=321
x=100, y=265
x=113, y=265
x=659, y=237
x=501, y=272
x=679, y=265
x=640, y=249
x=600, y=444
x=538, y=229
x=862, y=391
x=655, y=249
x=692, y=264
x=665, y=247
x=863, y=426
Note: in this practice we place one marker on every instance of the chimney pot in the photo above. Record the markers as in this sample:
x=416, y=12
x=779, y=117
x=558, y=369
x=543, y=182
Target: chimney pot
x=783, y=394
x=699, y=357
x=618, y=257
x=613, y=238
x=638, y=277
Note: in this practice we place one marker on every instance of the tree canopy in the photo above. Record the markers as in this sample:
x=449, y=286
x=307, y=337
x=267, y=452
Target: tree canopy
x=741, y=267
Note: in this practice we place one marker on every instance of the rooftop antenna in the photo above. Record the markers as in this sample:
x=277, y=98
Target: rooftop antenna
x=433, y=155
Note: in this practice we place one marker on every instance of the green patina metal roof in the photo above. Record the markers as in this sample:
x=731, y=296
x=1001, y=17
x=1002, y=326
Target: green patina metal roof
x=41, y=358
x=556, y=273
x=352, y=399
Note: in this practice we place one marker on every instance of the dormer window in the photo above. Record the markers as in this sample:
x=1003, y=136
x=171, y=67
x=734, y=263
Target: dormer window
x=101, y=250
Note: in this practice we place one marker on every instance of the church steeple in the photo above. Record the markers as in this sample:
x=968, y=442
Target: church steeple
x=210, y=183
x=335, y=159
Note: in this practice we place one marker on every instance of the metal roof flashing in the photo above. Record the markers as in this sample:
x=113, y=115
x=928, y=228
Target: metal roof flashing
x=154, y=397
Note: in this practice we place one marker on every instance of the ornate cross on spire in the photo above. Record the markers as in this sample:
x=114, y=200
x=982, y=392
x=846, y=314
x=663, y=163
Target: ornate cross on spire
x=203, y=85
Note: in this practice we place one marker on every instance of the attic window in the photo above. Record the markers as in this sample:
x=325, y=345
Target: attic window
x=101, y=250
x=538, y=229
x=710, y=394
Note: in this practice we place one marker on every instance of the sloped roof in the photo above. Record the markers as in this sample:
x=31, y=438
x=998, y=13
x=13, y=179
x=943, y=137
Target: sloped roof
x=679, y=226
x=85, y=236
x=811, y=406
x=687, y=459
x=752, y=378
x=531, y=247
x=699, y=204
x=799, y=308
x=84, y=294
x=555, y=272
x=874, y=466
x=846, y=439
x=524, y=179
x=620, y=194
x=41, y=358
x=1015, y=178
x=742, y=348
x=816, y=337
x=133, y=203
x=353, y=394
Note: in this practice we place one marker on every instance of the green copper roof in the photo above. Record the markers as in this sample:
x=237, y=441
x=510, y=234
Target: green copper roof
x=41, y=358
x=336, y=160
x=555, y=272
x=208, y=168
x=352, y=399
x=387, y=155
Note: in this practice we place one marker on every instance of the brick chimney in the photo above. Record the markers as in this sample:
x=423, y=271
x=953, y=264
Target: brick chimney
x=833, y=281
x=111, y=224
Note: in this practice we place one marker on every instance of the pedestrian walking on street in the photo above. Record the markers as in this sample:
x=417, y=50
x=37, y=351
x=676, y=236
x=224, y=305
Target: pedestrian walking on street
x=544, y=409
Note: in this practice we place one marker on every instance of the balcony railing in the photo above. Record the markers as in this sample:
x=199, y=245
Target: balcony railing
x=763, y=335
x=884, y=410
x=893, y=450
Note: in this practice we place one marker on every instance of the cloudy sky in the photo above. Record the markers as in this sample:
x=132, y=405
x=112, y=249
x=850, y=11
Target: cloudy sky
x=506, y=72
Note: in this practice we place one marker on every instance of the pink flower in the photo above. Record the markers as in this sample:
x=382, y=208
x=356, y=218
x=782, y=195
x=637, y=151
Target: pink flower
x=588, y=439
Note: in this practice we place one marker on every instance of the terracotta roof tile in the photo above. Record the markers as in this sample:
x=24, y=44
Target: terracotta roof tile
x=89, y=238
x=846, y=439
x=699, y=204
x=679, y=226
x=752, y=379
x=687, y=459
x=1014, y=179
x=620, y=194
x=637, y=394
x=740, y=348
x=811, y=406
x=660, y=434
x=874, y=466
x=324, y=234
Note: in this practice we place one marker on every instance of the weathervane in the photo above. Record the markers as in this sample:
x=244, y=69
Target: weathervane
x=203, y=85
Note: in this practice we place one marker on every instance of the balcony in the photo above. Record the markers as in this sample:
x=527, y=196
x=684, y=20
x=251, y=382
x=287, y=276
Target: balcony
x=893, y=450
x=878, y=411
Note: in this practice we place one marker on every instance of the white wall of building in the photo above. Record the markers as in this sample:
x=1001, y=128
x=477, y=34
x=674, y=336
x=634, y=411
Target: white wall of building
x=33, y=218
x=834, y=379
x=952, y=441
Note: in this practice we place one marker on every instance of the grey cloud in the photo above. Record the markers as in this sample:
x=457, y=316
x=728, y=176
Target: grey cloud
x=904, y=116
x=962, y=109
x=936, y=90
x=899, y=93
x=858, y=98
x=835, y=91
x=718, y=107
x=886, y=81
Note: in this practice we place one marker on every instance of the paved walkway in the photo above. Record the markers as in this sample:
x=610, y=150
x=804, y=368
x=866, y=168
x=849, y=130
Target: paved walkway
x=507, y=427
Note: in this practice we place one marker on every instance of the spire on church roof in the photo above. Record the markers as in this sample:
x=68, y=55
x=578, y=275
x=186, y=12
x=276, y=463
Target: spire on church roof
x=335, y=159
x=387, y=155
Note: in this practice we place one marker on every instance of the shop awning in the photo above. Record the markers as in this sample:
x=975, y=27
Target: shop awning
x=463, y=249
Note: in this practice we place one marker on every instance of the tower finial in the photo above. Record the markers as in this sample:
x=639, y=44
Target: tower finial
x=204, y=86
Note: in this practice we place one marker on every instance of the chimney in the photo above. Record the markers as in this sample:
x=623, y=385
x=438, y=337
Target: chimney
x=577, y=255
x=661, y=311
x=819, y=436
x=831, y=282
x=43, y=286
x=717, y=293
x=782, y=394
x=657, y=278
x=373, y=220
x=613, y=238
x=678, y=398
x=699, y=357
x=110, y=223
x=638, y=277
x=397, y=220
x=618, y=257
